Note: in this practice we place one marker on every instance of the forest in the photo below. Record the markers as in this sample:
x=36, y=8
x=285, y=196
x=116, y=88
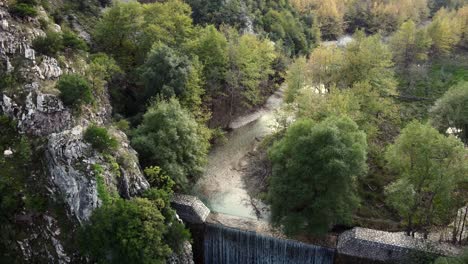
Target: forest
x=372, y=133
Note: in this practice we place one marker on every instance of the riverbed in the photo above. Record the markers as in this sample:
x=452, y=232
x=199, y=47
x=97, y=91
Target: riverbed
x=222, y=187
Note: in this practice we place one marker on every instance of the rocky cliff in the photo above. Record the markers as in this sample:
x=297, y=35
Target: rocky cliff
x=67, y=161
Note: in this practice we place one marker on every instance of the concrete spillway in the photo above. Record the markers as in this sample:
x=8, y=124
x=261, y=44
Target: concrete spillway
x=224, y=245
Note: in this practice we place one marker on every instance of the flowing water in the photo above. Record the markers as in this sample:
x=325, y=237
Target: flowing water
x=224, y=245
x=221, y=187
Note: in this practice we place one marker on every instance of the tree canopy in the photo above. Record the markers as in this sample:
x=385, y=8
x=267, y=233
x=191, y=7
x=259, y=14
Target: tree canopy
x=130, y=231
x=429, y=166
x=315, y=168
x=451, y=111
x=169, y=137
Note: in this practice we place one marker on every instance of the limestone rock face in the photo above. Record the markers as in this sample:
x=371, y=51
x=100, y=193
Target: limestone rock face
x=70, y=162
x=40, y=115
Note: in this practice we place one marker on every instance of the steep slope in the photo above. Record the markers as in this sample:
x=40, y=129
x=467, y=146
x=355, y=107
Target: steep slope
x=62, y=170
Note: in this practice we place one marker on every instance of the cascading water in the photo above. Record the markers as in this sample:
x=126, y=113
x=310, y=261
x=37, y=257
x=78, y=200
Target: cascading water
x=224, y=245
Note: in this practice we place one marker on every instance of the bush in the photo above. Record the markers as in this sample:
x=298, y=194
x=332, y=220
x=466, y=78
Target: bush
x=50, y=44
x=23, y=10
x=74, y=90
x=100, y=139
x=72, y=41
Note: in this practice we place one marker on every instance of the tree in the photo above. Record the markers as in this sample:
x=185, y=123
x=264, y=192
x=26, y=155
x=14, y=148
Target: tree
x=444, y=32
x=167, y=74
x=168, y=22
x=325, y=65
x=211, y=49
x=126, y=231
x=367, y=59
x=74, y=90
x=118, y=31
x=429, y=166
x=451, y=111
x=295, y=79
x=250, y=61
x=462, y=17
x=315, y=168
x=170, y=138
x=129, y=30
x=101, y=70
x=410, y=45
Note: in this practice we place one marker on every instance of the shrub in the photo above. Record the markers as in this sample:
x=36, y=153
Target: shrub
x=74, y=90
x=50, y=44
x=100, y=139
x=72, y=41
x=23, y=10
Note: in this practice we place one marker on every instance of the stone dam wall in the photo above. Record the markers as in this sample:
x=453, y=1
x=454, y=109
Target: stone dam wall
x=224, y=239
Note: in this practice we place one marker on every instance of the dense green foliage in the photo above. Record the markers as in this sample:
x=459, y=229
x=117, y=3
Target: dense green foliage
x=140, y=230
x=129, y=231
x=164, y=54
x=50, y=44
x=451, y=111
x=74, y=90
x=167, y=74
x=100, y=138
x=170, y=138
x=72, y=41
x=381, y=87
x=293, y=33
x=429, y=166
x=24, y=8
x=55, y=42
x=174, y=68
x=410, y=45
x=315, y=168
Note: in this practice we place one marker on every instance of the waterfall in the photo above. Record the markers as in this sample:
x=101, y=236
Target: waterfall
x=224, y=245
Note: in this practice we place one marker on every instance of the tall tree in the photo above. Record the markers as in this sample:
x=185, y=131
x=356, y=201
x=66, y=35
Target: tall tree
x=429, y=166
x=451, y=111
x=118, y=31
x=325, y=65
x=250, y=64
x=211, y=48
x=444, y=32
x=367, y=59
x=315, y=168
x=169, y=137
x=295, y=79
x=410, y=45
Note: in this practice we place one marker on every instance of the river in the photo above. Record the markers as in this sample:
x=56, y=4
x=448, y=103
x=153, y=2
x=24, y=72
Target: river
x=222, y=187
